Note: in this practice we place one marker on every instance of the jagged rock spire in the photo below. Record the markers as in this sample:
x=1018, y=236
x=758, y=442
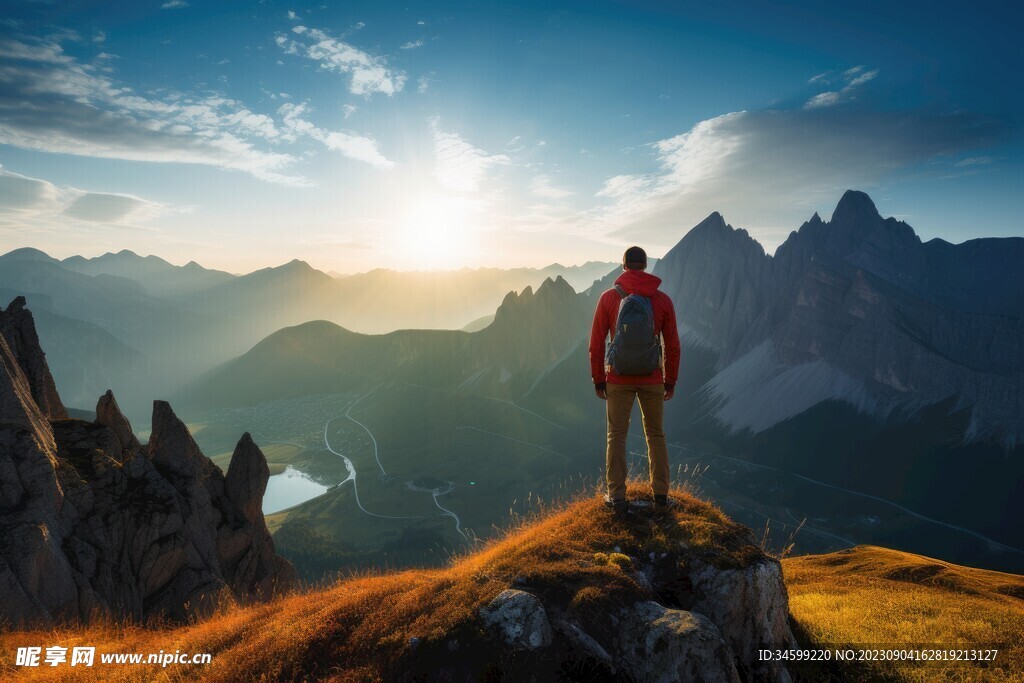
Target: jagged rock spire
x=17, y=407
x=246, y=480
x=158, y=535
x=18, y=328
x=171, y=446
x=109, y=415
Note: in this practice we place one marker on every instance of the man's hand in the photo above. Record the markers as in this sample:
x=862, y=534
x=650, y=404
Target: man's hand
x=670, y=390
x=601, y=389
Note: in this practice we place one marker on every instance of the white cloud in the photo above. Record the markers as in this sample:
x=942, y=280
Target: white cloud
x=854, y=77
x=40, y=203
x=98, y=207
x=292, y=15
x=424, y=82
x=349, y=109
x=542, y=186
x=20, y=193
x=50, y=102
x=862, y=78
x=174, y=4
x=825, y=99
x=771, y=163
x=412, y=44
x=460, y=166
x=351, y=145
x=974, y=161
x=368, y=74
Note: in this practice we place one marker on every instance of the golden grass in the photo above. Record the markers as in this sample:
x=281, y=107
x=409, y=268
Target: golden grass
x=871, y=595
x=359, y=629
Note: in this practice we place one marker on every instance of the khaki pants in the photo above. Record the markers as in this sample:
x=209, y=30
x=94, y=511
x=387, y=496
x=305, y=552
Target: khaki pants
x=652, y=408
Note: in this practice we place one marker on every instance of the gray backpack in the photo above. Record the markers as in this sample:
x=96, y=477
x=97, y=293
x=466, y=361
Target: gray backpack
x=635, y=347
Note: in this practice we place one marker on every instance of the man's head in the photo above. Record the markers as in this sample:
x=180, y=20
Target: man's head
x=635, y=258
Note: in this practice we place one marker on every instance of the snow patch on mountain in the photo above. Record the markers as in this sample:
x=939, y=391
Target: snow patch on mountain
x=757, y=392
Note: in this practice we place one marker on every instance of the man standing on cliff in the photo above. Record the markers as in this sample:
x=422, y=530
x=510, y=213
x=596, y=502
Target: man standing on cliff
x=636, y=316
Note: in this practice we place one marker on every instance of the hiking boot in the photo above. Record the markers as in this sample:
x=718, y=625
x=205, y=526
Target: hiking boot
x=616, y=504
x=663, y=502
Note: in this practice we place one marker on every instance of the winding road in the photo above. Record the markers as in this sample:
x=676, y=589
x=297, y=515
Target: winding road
x=445, y=512
x=348, y=414
x=449, y=513
x=352, y=477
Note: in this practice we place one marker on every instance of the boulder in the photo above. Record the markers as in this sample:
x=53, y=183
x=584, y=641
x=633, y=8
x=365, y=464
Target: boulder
x=657, y=644
x=518, y=619
x=750, y=606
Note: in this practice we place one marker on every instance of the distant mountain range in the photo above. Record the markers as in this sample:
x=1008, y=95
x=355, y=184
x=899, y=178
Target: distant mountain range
x=856, y=355
x=145, y=327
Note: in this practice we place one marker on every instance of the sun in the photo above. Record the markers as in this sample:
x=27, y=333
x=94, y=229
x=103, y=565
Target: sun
x=438, y=233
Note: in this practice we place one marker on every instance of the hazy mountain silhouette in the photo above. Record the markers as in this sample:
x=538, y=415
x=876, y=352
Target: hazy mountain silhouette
x=156, y=275
x=152, y=326
x=530, y=332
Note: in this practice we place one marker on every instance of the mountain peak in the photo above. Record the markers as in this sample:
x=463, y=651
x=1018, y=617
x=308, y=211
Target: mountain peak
x=714, y=221
x=556, y=285
x=855, y=207
x=297, y=265
x=28, y=254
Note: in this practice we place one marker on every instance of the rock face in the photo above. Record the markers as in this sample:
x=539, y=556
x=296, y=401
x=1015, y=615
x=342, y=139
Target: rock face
x=19, y=331
x=702, y=623
x=663, y=645
x=750, y=606
x=856, y=309
x=94, y=523
x=532, y=330
x=519, y=620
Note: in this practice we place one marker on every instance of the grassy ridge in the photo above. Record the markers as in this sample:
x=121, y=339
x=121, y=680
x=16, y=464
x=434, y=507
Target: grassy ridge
x=869, y=595
x=359, y=629
x=577, y=556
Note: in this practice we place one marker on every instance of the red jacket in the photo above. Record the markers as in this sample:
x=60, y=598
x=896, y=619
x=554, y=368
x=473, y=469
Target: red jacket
x=644, y=284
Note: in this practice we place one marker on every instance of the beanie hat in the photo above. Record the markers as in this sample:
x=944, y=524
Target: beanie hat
x=635, y=258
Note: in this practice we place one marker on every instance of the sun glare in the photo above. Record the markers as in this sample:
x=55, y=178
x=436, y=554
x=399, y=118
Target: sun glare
x=438, y=233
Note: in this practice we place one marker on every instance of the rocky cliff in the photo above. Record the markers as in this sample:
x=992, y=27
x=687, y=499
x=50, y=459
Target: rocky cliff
x=856, y=309
x=94, y=523
x=575, y=593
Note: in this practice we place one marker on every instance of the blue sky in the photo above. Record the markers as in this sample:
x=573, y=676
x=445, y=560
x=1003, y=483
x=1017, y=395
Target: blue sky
x=440, y=135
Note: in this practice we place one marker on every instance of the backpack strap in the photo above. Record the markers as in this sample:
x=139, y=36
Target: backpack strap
x=621, y=291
